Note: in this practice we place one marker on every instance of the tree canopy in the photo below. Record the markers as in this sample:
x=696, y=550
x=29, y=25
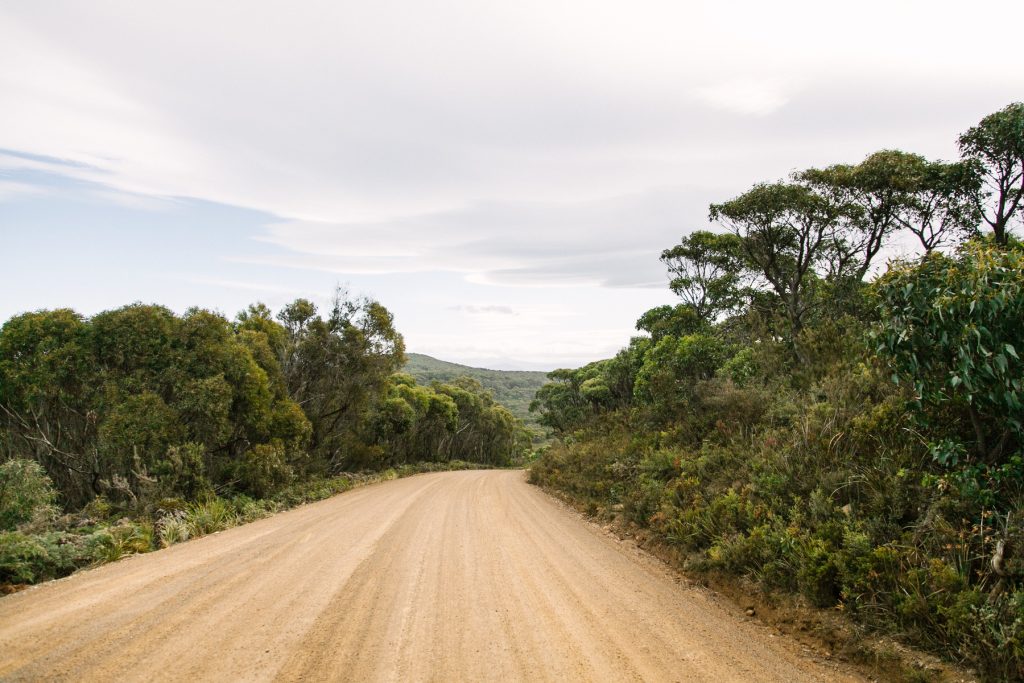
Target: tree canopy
x=139, y=403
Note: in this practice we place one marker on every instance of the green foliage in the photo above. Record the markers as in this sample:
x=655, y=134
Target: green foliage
x=706, y=270
x=47, y=370
x=892, y=191
x=24, y=491
x=574, y=396
x=673, y=366
x=741, y=368
x=141, y=427
x=263, y=470
x=774, y=443
x=446, y=422
x=31, y=558
x=114, y=542
x=172, y=528
x=138, y=403
x=20, y=558
x=337, y=368
x=132, y=385
x=513, y=389
x=996, y=149
x=182, y=472
x=677, y=321
x=207, y=517
x=951, y=328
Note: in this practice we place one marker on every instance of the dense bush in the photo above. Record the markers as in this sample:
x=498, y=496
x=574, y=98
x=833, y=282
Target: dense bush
x=857, y=444
x=25, y=491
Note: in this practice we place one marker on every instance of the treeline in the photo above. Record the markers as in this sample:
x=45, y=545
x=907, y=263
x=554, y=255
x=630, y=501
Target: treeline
x=513, y=389
x=147, y=411
x=853, y=439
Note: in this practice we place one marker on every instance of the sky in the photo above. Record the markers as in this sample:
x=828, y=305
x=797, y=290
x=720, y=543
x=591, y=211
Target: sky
x=502, y=176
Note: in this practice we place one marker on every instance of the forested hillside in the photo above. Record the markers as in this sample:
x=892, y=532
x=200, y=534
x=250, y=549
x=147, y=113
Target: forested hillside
x=513, y=389
x=182, y=424
x=796, y=420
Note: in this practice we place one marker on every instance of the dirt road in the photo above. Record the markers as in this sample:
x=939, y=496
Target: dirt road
x=461, y=576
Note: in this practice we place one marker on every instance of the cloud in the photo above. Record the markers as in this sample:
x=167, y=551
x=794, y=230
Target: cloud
x=483, y=310
x=609, y=242
x=513, y=147
x=10, y=189
x=341, y=113
x=745, y=96
x=43, y=175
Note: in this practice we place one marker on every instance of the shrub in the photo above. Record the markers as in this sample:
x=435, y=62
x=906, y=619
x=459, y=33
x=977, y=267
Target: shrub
x=21, y=557
x=264, y=469
x=172, y=528
x=182, y=472
x=24, y=489
x=249, y=509
x=213, y=515
x=741, y=368
x=112, y=543
x=951, y=328
x=30, y=558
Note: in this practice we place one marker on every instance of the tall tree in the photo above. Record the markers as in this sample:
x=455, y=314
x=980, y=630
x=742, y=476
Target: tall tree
x=894, y=190
x=996, y=146
x=705, y=270
x=786, y=231
x=876, y=190
x=48, y=385
x=337, y=367
x=942, y=208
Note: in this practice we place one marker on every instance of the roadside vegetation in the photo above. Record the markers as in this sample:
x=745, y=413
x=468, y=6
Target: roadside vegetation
x=138, y=428
x=825, y=424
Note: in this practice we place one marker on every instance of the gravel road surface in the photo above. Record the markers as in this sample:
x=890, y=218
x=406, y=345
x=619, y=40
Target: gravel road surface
x=456, y=576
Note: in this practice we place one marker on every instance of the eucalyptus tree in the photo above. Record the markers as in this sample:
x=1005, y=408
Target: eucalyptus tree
x=996, y=147
x=950, y=328
x=788, y=234
x=893, y=191
x=705, y=271
x=337, y=367
x=943, y=210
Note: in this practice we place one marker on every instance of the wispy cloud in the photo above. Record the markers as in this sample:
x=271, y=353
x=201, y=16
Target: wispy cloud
x=10, y=189
x=609, y=242
x=483, y=310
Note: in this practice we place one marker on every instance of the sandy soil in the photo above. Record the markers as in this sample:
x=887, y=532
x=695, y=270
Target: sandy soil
x=460, y=576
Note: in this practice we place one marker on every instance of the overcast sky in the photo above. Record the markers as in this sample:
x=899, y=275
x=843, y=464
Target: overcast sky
x=501, y=175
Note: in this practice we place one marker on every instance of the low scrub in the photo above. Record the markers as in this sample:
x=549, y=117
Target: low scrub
x=831, y=499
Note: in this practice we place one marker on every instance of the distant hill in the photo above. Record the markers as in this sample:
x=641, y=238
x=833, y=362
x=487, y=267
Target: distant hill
x=513, y=389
